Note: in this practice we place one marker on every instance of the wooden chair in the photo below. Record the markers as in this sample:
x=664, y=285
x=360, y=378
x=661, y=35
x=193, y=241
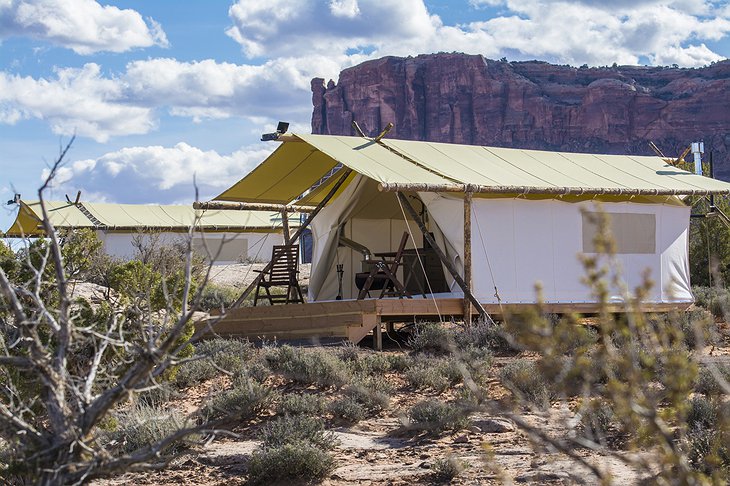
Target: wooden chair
x=392, y=287
x=283, y=272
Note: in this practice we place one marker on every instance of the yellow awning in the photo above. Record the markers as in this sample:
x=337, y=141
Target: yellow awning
x=133, y=217
x=61, y=214
x=296, y=165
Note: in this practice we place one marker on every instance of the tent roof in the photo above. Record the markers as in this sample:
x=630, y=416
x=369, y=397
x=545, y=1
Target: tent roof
x=302, y=160
x=132, y=217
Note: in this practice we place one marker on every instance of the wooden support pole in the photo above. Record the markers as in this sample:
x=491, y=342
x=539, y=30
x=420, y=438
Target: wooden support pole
x=295, y=236
x=467, y=256
x=246, y=206
x=442, y=256
x=564, y=191
x=285, y=227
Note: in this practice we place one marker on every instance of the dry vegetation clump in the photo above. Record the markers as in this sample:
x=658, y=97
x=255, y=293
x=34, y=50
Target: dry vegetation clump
x=314, y=366
x=526, y=381
x=708, y=380
x=435, y=416
x=143, y=425
x=301, y=404
x=292, y=463
x=448, y=467
x=246, y=399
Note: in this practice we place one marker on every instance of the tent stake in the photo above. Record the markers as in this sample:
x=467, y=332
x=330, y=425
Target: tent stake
x=442, y=256
x=295, y=236
x=467, y=256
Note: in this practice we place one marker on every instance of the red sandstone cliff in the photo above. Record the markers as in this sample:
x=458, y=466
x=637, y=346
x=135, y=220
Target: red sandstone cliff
x=469, y=99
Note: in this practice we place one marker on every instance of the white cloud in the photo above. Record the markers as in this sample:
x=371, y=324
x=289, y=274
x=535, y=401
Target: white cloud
x=163, y=174
x=589, y=31
x=82, y=25
x=86, y=102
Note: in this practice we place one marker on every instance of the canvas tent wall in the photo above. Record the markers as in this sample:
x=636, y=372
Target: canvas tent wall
x=222, y=236
x=527, y=218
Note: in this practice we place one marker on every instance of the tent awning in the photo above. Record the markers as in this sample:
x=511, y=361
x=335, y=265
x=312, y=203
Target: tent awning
x=133, y=217
x=298, y=164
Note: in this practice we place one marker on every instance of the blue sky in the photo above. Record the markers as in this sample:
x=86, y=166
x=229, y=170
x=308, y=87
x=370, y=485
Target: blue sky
x=161, y=92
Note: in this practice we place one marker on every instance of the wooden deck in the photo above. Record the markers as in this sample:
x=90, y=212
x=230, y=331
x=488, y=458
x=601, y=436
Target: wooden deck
x=355, y=319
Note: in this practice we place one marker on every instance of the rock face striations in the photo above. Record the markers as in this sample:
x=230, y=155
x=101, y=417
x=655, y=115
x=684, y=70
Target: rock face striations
x=472, y=100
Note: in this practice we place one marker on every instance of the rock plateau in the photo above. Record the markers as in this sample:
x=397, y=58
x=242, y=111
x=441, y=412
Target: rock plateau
x=468, y=99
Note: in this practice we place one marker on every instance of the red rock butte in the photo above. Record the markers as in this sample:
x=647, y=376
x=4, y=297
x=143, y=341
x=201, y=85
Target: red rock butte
x=468, y=99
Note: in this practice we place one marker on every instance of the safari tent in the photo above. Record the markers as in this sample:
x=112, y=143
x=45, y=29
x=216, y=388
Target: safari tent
x=484, y=225
x=223, y=236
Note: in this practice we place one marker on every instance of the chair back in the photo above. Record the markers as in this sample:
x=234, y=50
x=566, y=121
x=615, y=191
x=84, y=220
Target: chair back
x=284, y=264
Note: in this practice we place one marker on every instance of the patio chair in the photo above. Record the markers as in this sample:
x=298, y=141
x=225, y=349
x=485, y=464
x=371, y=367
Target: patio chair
x=282, y=272
x=384, y=273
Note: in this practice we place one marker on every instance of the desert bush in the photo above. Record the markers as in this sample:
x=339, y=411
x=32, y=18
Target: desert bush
x=348, y=409
x=436, y=416
x=195, y=371
x=524, y=379
x=399, y=361
x=309, y=366
x=371, y=399
x=598, y=423
x=702, y=413
x=436, y=374
x=369, y=363
x=218, y=297
x=714, y=299
x=304, y=463
x=245, y=400
x=707, y=452
x=430, y=337
x=301, y=404
x=697, y=328
x=232, y=355
x=145, y=425
x=158, y=395
x=483, y=334
x=449, y=467
x=707, y=384
x=296, y=428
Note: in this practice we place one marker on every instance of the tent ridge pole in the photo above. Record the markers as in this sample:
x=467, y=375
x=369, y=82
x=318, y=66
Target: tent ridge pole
x=442, y=256
x=247, y=206
x=295, y=236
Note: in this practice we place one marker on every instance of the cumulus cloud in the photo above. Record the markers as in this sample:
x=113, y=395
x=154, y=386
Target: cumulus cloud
x=587, y=31
x=162, y=174
x=82, y=25
x=87, y=102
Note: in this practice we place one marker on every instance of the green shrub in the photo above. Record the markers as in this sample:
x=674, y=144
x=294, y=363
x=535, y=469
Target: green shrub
x=707, y=452
x=218, y=297
x=524, y=379
x=399, y=361
x=702, y=413
x=449, y=467
x=157, y=396
x=483, y=334
x=436, y=416
x=435, y=374
x=245, y=400
x=369, y=363
x=143, y=426
x=194, y=372
x=316, y=366
x=430, y=337
x=697, y=328
x=294, y=429
x=301, y=404
x=707, y=384
x=715, y=300
x=348, y=409
x=371, y=399
x=293, y=463
x=598, y=422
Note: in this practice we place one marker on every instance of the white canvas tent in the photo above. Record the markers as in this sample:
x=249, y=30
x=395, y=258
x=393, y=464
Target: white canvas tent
x=529, y=215
x=223, y=236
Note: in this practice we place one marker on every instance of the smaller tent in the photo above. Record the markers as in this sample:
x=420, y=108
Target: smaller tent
x=223, y=236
